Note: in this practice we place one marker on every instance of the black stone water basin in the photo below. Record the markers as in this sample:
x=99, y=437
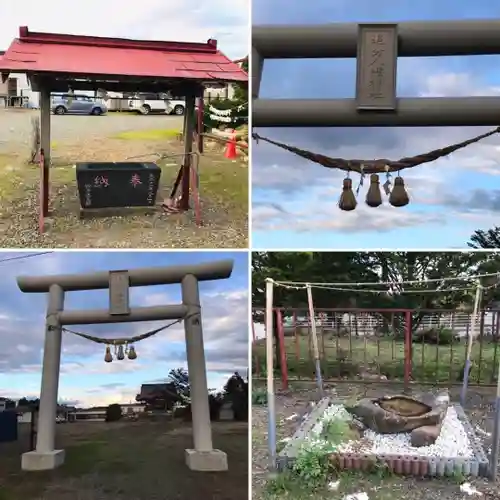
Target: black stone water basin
x=117, y=184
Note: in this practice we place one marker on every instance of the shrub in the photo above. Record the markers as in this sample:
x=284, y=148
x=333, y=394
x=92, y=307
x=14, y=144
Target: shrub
x=259, y=397
x=240, y=405
x=436, y=336
x=113, y=413
x=214, y=407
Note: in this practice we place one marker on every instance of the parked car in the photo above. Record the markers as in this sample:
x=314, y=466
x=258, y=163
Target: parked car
x=78, y=105
x=146, y=103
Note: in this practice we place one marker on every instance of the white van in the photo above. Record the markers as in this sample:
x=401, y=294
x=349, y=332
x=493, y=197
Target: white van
x=146, y=103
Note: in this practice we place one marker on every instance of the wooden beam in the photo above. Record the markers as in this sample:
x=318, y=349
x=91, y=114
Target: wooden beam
x=189, y=129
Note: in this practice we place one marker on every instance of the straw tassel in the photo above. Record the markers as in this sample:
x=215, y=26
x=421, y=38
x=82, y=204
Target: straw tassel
x=131, y=353
x=374, y=195
x=399, y=197
x=347, y=201
x=121, y=354
x=108, y=356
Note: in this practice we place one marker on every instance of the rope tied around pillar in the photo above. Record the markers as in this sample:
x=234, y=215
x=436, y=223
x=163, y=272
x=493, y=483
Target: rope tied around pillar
x=398, y=195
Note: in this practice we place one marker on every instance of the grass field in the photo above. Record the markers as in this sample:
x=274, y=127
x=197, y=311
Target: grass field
x=133, y=460
x=358, y=357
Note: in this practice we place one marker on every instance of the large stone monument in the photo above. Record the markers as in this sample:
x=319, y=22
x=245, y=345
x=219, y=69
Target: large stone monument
x=421, y=416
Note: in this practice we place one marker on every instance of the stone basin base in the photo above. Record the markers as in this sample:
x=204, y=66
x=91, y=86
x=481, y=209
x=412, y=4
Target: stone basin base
x=421, y=416
x=415, y=464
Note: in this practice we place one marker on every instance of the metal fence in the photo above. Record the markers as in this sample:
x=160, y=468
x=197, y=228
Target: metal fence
x=373, y=345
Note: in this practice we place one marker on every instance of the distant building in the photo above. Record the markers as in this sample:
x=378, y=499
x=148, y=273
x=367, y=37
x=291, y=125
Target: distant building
x=98, y=413
x=15, y=89
x=3, y=404
x=158, y=396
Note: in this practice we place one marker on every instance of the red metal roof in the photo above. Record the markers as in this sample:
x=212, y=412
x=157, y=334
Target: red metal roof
x=36, y=52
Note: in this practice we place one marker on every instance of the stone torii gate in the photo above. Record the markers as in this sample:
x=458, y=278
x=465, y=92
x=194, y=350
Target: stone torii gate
x=203, y=457
x=376, y=47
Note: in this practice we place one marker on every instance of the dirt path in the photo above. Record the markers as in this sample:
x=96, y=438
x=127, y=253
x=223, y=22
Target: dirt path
x=15, y=127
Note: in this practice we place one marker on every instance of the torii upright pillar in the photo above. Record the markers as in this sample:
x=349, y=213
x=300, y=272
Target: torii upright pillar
x=202, y=457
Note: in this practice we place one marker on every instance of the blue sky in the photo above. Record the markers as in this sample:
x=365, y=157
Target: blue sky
x=295, y=201
x=85, y=378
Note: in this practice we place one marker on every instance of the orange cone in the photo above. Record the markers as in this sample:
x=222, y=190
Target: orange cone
x=230, y=153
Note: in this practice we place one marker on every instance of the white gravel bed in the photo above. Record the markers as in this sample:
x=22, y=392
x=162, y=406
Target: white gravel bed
x=452, y=442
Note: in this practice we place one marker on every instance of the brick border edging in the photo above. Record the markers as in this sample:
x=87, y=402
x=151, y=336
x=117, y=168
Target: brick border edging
x=415, y=465
x=475, y=442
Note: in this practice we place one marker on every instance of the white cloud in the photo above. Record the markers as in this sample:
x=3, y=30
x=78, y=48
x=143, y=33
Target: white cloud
x=176, y=20
x=301, y=183
x=225, y=320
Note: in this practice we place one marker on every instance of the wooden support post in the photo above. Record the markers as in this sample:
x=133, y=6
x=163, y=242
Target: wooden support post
x=200, y=128
x=45, y=145
x=188, y=149
x=184, y=124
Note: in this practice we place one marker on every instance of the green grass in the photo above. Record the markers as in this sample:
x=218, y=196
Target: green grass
x=128, y=460
x=349, y=357
x=223, y=193
x=148, y=135
x=287, y=485
x=337, y=431
x=13, y=177
x=225, y=182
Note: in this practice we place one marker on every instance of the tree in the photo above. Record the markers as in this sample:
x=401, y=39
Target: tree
x=373, y=267
x=9, y=403
x=226, y=113
x=237, y=105
x=113, y=412
x=241, y=88
x=179, y=377
x=23, y=402
x=485, y=239
x=236, y=391
x=307, y=267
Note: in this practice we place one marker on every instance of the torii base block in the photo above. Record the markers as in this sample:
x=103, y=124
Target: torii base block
x=206, y=461
x=42, y=460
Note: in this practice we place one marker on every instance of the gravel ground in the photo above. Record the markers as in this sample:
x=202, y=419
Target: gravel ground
x=224, y=206
x=15, y=126
x=296, y=401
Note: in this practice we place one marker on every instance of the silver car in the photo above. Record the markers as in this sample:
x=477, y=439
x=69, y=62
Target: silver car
x=77, y=105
